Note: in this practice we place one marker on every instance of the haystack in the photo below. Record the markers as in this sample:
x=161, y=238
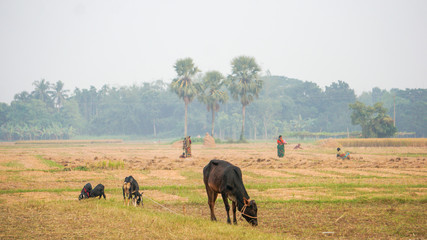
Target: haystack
x=208, y=141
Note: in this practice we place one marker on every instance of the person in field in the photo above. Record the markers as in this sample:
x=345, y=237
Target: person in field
x=281, y=146
x=187, y=147
x=343, y=155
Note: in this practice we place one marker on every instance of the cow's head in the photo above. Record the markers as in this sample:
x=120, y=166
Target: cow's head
x=250, y=212
x=126, y=188
x=139, y=199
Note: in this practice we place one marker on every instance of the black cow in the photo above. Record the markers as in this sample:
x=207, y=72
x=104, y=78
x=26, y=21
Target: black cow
x=98, y=191
x=85, y=191
x=223, y=177
x=131, y=190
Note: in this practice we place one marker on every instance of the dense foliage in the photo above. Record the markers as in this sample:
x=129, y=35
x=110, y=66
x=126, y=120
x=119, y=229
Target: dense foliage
x=153, y=111
x=374, y=121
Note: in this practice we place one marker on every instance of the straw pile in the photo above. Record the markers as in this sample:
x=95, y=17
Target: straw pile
x=208, y=141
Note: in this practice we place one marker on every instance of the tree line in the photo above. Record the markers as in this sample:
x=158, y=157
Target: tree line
x=242, y=104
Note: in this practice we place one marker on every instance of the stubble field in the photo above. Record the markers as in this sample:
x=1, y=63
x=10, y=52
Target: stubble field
x=378, y=193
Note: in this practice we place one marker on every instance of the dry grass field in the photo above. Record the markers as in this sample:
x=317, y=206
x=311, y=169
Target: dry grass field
x=380, y=193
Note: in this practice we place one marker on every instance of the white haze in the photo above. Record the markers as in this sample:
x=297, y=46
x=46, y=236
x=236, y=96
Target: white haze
x=364, y=43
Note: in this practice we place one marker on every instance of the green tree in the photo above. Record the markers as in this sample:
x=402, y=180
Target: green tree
x=183, y=84
x=334, y=110
x=245, y=84
x=42, y=91
x=23, y=96
x=70, y=116
x=59, y=94
x=212, y=93
x=373, y=120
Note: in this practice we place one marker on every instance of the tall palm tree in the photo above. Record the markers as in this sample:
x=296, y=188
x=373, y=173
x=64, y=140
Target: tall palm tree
x=244, y=83
x=212, y=93
x=59, y=94
x=183, y=85
x=41, y=90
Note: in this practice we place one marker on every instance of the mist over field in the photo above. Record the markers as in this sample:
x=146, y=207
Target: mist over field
x=112, y=69
x=153, y=111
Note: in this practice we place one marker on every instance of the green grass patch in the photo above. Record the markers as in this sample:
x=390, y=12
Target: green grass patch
x=81, y=168
x=32, y=170
x=49, y=163
x=53, y=190
x=109, y=164
x=13, y=164
x=191, y=175
x=114, y=221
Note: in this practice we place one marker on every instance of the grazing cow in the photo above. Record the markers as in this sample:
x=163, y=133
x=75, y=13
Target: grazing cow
x=223, y=177
x=131, y=190
x=85, y=193
x=98, y=191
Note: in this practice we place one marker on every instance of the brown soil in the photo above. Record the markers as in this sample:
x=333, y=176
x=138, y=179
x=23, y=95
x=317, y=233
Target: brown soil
x=157, y=165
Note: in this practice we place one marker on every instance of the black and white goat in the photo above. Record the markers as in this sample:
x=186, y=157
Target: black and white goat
x=131, y=190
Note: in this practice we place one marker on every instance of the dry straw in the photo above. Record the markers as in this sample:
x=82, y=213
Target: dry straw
x=383, y=142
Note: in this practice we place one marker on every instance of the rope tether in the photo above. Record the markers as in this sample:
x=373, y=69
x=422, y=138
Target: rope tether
x=163, y=206
x=243, y=212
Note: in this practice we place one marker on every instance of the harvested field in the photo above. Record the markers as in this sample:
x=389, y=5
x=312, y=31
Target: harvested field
x=303, y=195
x=383, y=142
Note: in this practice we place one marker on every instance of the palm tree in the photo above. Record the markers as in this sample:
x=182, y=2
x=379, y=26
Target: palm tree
x=59, y=94
x=23, y=96
x=183, y=85
x=244, y=83
x=211, y=93
x=41, y=90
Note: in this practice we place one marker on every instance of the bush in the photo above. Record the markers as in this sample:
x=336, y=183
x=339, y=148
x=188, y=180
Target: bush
x=81, y=168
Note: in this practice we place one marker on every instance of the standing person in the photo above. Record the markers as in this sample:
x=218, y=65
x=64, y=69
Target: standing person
x=187, y=146
x=281, y=146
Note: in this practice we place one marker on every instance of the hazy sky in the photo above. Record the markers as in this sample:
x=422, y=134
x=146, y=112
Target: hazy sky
x=366, y=43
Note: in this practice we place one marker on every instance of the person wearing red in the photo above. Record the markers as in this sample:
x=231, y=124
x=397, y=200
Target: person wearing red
x=187, y=147
x=281, y=146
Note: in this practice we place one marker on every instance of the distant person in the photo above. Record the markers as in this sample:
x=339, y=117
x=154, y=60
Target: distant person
x=187, y=147
x=342, y=155
x=281, y=146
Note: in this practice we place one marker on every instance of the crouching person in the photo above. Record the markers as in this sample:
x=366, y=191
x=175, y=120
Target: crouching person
x=343, y=155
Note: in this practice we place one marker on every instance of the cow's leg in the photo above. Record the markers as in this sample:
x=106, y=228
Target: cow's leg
x=227, y=206
x=233, y=206
x=211, y=202
x=103, y=194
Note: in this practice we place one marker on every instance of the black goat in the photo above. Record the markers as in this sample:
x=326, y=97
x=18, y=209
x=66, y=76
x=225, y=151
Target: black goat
x=85, y=191
x=98, y=191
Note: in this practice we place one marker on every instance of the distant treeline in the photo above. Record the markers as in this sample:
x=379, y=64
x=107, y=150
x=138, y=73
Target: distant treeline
x=152, y=110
